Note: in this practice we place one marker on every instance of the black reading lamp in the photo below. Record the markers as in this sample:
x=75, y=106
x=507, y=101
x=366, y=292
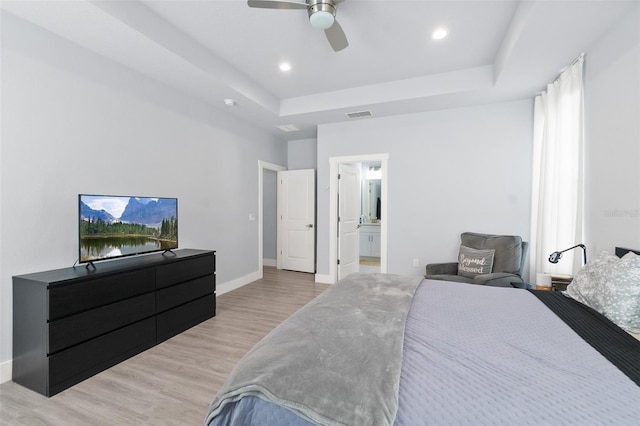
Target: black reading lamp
x=557, y=255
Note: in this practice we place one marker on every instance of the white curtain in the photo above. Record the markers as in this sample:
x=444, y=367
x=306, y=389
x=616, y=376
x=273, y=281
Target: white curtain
x=558, y=161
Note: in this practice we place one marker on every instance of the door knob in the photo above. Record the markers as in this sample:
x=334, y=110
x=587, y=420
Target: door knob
x=310, y=225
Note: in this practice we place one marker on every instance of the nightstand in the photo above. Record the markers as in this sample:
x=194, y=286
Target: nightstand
x=560, y=282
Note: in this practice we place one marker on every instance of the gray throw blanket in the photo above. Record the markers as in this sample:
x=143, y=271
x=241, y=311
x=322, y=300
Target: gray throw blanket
x=337, y=360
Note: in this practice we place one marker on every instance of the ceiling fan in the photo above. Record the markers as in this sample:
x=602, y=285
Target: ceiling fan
x=322, y=15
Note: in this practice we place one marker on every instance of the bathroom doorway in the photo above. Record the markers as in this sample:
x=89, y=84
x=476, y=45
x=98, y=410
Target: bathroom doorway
x=370, y=216
x=334, y=208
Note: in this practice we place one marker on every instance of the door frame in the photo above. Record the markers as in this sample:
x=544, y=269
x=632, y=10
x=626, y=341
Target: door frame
x=262, y=166
x=333, y=207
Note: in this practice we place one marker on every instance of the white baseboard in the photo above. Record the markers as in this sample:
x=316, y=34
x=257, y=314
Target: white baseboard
x=269, y=262
x=237, y=283
x=5, y=371
x=324, y=279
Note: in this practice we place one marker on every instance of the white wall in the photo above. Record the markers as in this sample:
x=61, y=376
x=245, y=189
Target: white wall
x=73, y=122
x=612, y=113
x=302, y=154
x=449, y=171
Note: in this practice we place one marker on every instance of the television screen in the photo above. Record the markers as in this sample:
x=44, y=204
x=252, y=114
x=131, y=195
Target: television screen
x=114, y=226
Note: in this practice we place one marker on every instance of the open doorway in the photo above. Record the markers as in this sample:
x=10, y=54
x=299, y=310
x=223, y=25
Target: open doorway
x=269, y=217
x=263, y=168
x=370, y=216
x=336, y=247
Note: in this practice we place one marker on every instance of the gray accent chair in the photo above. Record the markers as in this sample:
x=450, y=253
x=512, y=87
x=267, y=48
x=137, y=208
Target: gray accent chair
x=508, y=263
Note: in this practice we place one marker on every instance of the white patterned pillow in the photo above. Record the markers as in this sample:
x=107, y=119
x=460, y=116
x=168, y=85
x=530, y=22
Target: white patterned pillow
x=611, y=286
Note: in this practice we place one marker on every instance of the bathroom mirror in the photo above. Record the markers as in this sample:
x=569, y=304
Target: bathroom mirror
x=371, y=200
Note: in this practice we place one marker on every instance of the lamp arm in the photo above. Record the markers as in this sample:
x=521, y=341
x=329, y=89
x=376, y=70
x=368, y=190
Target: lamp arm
x=584, y=251
x=571, y=248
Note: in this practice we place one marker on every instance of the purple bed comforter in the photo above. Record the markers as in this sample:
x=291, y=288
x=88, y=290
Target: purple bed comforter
x=487, y=355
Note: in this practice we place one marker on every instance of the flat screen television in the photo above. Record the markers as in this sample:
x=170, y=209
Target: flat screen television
x=117, y=226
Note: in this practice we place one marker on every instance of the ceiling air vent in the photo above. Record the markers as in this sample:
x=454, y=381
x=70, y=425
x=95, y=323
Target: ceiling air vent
x=359, y=114
x=288, y=128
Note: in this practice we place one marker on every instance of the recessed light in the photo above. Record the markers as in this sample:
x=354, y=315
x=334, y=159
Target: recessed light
x=285, y=66
x=439, y=34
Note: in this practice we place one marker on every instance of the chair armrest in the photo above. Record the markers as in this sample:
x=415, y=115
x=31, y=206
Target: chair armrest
x=450, y=268
x=497, y=279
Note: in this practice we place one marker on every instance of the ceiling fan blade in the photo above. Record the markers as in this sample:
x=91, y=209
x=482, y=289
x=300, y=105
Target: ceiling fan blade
x=277, y=4
x=337, y=38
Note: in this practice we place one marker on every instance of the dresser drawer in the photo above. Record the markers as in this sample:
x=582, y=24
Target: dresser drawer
x=176, y=320
x=186, y=270
x=83, y=295
x=179, y=294
x=82, y=361
x=77, y=328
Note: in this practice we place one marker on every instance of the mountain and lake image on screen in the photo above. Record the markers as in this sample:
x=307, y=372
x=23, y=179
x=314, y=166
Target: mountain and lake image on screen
x=113, y=226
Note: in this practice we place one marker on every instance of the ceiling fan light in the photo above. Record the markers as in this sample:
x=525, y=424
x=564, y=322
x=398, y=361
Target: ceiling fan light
x=321, y=20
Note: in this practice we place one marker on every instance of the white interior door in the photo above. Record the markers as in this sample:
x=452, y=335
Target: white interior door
x=296, y=195
x=348, y=220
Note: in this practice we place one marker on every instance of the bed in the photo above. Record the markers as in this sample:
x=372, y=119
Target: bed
x=382, y=349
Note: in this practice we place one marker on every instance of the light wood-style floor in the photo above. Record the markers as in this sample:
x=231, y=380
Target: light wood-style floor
x=174, y=382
